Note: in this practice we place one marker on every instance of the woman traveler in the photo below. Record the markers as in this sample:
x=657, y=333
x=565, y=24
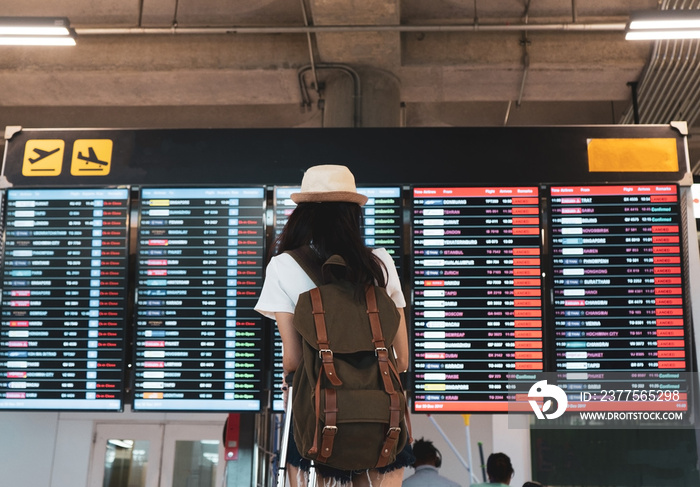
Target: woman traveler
x=327, y=220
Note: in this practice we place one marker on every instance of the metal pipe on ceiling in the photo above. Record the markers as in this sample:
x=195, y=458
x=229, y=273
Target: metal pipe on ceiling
x=669, y=88
x=644, y=84
x=356, y=83
x=676, y=95
x=664, y=85
x=693, y=103
x=651, y=83
x=524, y=41
x=321, y=29
x=309, y=42
x=687, y=83
x=679, y=109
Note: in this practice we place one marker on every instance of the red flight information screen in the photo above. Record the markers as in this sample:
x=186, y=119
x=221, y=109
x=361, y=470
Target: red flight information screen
x=618, y=291
x=477, y=297
x=64, y=299
x=198, y=339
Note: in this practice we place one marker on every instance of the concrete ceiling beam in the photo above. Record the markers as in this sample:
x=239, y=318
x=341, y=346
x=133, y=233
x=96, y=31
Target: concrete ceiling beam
x=367, y=48
x=154, y=88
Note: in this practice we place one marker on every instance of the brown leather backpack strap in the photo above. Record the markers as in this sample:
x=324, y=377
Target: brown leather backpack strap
x=394, y=431
x=324, y=349
x=385, y=369
x=409, y=430
x=330, y=427
x=373, y=313
x=378, y=339
x=317, y=407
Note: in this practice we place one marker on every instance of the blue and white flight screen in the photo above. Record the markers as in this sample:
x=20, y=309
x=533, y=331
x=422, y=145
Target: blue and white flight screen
x=199, y=342
x=62, y=342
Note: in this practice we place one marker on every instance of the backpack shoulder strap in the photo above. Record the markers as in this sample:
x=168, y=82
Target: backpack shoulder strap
x=324, y=347
x=328, y=367
x=386, y=368
x=307, y=260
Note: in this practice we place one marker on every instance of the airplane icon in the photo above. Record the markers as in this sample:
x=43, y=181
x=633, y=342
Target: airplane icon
x=91, y=157
x=85, y=160
x=42, y=154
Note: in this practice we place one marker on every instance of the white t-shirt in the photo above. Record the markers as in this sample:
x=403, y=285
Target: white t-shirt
x=285, y=280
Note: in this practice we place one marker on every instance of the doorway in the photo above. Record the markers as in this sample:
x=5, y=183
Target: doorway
x=157, y=455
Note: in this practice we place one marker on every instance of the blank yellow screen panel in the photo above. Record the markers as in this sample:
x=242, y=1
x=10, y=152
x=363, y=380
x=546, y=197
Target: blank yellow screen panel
x=632, y=155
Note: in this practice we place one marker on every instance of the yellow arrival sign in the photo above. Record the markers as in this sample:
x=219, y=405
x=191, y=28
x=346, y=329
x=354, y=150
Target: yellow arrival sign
x=91, y=157
x=43, y=157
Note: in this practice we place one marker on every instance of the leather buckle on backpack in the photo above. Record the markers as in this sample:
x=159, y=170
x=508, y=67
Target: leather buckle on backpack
x=333, y=429
x=324, y=350
x=380, y=349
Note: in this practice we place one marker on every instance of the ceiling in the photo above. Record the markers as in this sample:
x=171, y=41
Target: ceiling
x=258, y=63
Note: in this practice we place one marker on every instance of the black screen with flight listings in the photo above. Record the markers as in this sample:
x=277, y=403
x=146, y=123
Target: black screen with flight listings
x=200, y=257
x=619, y=292
x=64, y=299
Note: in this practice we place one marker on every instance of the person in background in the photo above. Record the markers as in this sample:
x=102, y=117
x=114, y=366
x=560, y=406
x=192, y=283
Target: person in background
x=428, y=461
x=499, y=470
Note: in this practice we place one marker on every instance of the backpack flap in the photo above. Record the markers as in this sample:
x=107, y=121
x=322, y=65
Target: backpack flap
x=346, y=318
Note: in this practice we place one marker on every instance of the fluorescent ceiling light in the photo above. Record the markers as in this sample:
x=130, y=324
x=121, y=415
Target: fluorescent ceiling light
x=29, y=30
x=36, y=31
x=663, y=24
x=651, y=35
x=36, y=41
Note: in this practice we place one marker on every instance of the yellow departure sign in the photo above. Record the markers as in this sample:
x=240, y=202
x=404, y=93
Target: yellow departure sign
x=43, y=157
x=91, y=157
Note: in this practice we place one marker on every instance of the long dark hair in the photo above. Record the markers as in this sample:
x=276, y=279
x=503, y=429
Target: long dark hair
x=332, y=228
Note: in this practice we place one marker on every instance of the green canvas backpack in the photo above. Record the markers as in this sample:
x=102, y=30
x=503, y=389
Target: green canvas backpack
x=348, y=405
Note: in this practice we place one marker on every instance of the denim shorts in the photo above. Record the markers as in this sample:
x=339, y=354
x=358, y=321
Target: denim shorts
x=405, y=458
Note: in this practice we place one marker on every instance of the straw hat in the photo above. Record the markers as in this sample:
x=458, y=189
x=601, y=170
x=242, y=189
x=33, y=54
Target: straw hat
x=328, y=182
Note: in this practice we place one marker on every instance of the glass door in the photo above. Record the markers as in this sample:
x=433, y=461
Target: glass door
x=157, y=455
x=193, y=456
x=126, y=455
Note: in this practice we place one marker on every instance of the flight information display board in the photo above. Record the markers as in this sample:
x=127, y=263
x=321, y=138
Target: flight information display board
x=200, y=258
x=618, y=291
x=283, y=207
x=64, y=296
x=382, y=226
x=477, y=297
